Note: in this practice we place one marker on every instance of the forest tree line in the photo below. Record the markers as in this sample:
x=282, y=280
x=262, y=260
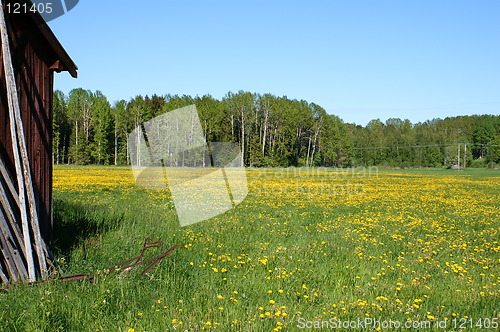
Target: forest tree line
x=272, y=131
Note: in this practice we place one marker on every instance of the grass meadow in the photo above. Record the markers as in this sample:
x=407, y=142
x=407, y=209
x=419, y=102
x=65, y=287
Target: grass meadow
x=305, y=246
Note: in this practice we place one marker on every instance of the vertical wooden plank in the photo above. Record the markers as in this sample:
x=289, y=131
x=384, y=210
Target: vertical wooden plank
x=50, y=163
x=13, y=105
x=28, y=179
x=36, y=121
x=31, y=63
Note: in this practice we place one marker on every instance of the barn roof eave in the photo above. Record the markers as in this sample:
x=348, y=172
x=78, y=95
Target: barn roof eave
x=65, y=60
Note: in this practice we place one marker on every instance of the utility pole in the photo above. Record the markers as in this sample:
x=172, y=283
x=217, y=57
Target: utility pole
x=458, y=156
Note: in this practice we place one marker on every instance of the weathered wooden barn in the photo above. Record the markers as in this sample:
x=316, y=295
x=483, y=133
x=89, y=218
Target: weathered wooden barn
x=30, y=55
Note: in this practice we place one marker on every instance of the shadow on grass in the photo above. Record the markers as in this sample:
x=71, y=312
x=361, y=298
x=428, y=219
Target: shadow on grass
x=76, y=223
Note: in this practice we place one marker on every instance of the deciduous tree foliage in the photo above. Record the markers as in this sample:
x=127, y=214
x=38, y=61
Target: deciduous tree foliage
x=272, y=131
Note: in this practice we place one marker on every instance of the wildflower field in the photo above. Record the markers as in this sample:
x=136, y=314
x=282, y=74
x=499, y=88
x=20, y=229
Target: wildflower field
x=306, y=246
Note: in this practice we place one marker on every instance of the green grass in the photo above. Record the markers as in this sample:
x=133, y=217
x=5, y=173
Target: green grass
x=410, y=244
x=482, y=172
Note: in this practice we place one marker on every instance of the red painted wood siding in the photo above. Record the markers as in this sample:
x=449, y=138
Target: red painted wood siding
x=32, y=60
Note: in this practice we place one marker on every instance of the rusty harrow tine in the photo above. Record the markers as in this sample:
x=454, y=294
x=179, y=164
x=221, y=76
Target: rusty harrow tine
x=159, y=258
x=89, y=277
x=154, y=259
x=120, y=267
x=123, y=265
x=146, y=245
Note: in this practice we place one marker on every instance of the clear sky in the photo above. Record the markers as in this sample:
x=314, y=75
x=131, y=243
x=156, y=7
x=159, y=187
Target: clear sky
x=360, y=60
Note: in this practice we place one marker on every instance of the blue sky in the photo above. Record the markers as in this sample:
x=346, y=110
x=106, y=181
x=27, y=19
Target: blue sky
x=360, y=60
